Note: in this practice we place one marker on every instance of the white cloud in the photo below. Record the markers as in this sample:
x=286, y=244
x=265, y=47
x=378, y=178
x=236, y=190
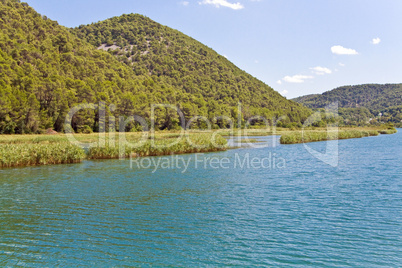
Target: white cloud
x=321, y=70
x=279, y=82
x=256, y=61
x=342, y=64
x=297, y=78
x=185, y=3
x=284, y=92
x=223, y=3
x=340, y=50
x=376, y=41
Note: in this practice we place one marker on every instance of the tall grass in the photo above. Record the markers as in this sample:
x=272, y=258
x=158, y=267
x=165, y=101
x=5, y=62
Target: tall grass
x=31, y=154
x=30, y=150
x=388, y=131
x=312, y=136
x=18, y=139
x=195, y=143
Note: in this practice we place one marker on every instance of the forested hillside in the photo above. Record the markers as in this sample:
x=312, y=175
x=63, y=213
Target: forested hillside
x=370, y=96
x=372, y=103
x=171, y=58
x=45, y=70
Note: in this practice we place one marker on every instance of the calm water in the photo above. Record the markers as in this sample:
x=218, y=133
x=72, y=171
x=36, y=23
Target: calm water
x=298, y=213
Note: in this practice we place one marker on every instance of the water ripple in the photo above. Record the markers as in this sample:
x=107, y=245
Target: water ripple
x=101, y=213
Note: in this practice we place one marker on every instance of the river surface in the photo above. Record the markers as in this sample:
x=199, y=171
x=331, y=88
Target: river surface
x=272, y=206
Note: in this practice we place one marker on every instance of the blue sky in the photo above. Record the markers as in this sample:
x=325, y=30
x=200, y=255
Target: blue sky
x=297, y=47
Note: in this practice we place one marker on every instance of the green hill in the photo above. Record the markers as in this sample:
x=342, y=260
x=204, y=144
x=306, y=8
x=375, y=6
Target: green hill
x=361, y=103
x=177, y=60
x=46, y=69
x=370, y=96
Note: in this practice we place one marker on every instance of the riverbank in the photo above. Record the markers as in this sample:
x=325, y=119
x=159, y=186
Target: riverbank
x=295, y=137
x=33, y=150
x=194, y=210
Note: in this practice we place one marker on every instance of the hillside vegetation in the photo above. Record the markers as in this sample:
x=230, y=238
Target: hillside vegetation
x=46, y=69
x=206, y=82
x=361, y=104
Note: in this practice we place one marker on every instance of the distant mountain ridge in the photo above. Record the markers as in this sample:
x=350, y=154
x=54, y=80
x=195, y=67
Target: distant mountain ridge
x=371, y=96
x=368, y=103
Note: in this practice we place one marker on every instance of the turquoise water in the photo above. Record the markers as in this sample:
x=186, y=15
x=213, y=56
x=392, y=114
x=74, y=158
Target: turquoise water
x=296, y=212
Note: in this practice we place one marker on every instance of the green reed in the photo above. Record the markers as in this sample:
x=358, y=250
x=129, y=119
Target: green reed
x=32, y=154
x=388, y=131
x=193, y=143
x=313, y=136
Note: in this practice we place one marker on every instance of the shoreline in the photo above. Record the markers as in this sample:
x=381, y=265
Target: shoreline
x=316, y=136
x=38, y=150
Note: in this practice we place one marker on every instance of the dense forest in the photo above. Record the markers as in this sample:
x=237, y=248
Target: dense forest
x=46, y=69
x=171, y=58
x=361, y=104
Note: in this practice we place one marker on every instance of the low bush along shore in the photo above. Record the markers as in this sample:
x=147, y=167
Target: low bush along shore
x=320, y=135
x=31, y=150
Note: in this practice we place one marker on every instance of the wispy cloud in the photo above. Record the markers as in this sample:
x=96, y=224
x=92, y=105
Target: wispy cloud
x=184, y=3
x=279, y=82
x=321, y=70
x=284, y=92
x=297, y=78
x=222, y=3
x=376, y=41
x=340, y=50
x=342, y=64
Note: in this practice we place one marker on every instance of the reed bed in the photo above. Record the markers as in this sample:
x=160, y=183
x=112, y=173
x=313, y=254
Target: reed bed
x=373, y=132
x=32, y=154
x=194, y=143
x=18, y=139
x=30, y=150
x=313, y=136
x=388, y=131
